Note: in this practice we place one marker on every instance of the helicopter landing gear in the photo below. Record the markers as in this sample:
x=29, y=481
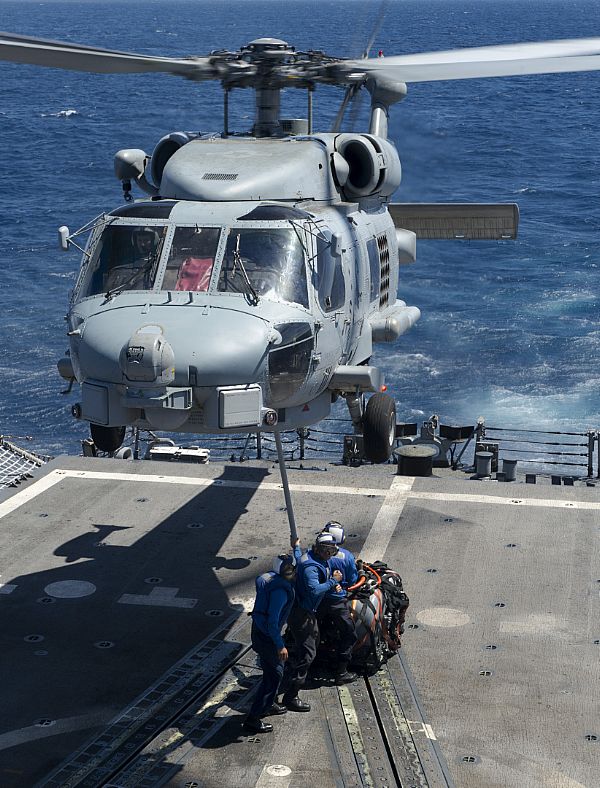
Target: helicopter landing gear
x=379, y=427
x=107, y=439
x=375, y=420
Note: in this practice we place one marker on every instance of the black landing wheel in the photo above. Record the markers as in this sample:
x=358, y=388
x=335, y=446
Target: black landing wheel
x=379, y=427
x=107, y=439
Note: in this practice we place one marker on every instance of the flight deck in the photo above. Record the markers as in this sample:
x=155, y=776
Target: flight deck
x=125, y=639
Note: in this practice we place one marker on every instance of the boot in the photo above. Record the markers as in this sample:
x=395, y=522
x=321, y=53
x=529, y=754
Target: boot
x=256, y=725
x=275, y=708
x=343, y=675
x=295, y=704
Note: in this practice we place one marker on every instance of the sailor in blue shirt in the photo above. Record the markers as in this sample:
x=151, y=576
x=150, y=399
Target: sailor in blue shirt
x=334, y=610
x=274, y=599
x=314, y=579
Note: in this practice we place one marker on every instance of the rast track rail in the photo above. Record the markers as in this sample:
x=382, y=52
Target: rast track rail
x=378, y=735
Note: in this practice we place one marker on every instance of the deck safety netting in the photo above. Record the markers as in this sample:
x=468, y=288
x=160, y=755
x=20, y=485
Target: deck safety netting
x=16, y=464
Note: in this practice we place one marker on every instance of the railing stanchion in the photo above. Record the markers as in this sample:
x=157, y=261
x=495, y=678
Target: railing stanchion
x=591, y=441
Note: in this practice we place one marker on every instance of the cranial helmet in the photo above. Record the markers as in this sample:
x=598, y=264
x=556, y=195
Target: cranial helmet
x=336, y=530
x=284, y=564
x=326, y=542
x=144, y=231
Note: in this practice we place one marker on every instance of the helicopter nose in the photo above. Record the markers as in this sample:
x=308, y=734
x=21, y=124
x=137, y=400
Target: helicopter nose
x=198, y=347
x=148, y=358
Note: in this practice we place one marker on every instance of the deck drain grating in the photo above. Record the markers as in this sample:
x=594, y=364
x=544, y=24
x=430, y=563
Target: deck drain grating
x=500, y=604
x=591, y=737
x=33, y=638
x=153, y=580
x=486, y=673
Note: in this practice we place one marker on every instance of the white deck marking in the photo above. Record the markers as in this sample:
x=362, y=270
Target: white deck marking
x=159, y=597
x=275, y=776
x=197, y=482
x=65, y=725
x=385, y=523
x=70, y=589
x=35, y=489
x=7, y=588
x=398, y=482
x=549, y=503
x=416, y=726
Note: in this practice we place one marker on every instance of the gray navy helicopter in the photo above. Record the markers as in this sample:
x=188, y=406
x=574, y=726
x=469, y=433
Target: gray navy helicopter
x=245, y=292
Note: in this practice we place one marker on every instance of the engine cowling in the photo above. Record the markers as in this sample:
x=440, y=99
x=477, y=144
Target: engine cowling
x=165, y=148
x=370, y=166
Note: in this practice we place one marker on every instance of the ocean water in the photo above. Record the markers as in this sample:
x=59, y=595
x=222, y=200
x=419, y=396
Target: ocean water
x=509, y=330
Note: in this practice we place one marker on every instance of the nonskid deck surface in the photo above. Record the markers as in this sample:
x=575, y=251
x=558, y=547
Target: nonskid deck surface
x=124, y=586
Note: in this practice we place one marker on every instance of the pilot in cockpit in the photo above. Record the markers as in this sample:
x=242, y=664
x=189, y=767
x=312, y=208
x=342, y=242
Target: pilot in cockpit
x=144, y=242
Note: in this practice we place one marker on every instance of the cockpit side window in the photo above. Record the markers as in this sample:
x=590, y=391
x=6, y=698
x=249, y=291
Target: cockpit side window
x=265, y=264
x=329, y=277
x=191, y=259
x=125, y=257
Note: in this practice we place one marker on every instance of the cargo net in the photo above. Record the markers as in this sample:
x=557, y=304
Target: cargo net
x=16, y=464
x=378, y=607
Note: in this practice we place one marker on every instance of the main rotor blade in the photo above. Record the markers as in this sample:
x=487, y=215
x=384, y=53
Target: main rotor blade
x=544, y=57
x=77, y=57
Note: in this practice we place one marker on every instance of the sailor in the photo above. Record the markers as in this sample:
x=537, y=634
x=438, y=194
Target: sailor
x=335, y=609
x=314, y=579
x=274, y=598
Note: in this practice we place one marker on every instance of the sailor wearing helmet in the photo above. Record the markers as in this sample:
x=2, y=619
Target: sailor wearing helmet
x=314, y=580
x=274, y=599
x=334, y=609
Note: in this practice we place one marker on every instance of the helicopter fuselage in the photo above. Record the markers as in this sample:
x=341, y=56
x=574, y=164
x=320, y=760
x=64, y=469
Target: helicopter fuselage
x=239, y=313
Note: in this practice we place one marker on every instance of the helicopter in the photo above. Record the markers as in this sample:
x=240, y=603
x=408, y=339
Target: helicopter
x=246, y=289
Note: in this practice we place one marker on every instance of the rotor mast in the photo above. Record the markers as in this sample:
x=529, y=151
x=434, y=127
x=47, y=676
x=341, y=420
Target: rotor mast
x=267, y=54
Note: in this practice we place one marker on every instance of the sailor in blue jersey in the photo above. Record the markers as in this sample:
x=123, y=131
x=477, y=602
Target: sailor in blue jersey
x=314, y=579
x=274, y=599
x=335, y=609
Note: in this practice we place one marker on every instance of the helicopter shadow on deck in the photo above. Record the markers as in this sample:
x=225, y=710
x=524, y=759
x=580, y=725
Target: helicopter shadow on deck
x=84, y=639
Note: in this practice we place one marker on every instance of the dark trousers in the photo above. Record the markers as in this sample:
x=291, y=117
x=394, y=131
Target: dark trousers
x=335, y=611
x=304, y=629
x=272, y=668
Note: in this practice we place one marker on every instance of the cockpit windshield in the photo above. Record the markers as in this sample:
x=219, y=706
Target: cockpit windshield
x=191, y=259
x=265, y=264
x=125, y=257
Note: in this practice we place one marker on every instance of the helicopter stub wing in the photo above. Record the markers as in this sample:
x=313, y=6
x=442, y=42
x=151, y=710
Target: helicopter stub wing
x=462, y=221
x=78, y=57
x=506, y=60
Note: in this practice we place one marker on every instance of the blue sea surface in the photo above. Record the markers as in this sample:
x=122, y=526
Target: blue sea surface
x=510, y=330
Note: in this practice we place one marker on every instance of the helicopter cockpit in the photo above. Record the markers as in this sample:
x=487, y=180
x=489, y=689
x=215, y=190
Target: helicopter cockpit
x=265, y=262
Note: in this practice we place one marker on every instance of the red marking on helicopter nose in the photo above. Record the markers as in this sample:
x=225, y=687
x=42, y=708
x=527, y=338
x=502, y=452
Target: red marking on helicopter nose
x=305, y=408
